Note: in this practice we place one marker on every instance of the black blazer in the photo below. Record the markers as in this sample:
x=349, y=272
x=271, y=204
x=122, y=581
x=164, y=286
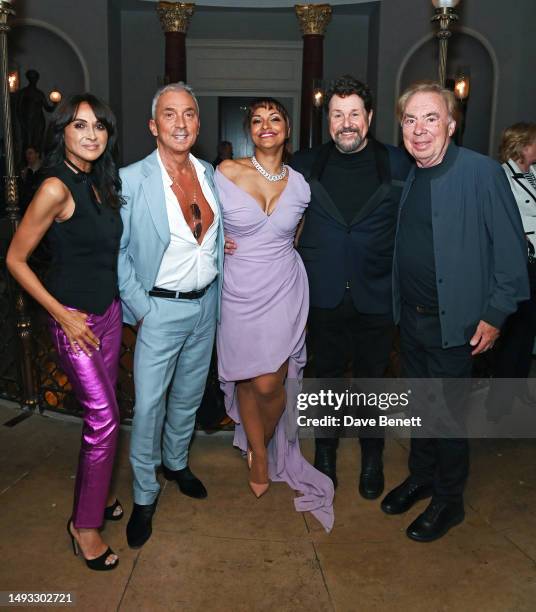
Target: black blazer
x=360, y=254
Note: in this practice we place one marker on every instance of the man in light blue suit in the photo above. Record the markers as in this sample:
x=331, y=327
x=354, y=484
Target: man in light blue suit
x=170, y=275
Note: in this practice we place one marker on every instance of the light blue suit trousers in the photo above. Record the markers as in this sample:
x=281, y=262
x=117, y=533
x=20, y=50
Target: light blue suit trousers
x=171, y=364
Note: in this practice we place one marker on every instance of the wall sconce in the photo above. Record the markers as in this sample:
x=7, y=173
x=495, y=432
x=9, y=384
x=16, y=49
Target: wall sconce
x=315, y=118
x=13, y=80
x=55, y=96
x=318, y=93
x=444, y=14
x=462, y=86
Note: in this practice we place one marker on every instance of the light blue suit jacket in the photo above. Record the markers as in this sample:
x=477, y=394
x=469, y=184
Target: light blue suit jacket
x=146, y=234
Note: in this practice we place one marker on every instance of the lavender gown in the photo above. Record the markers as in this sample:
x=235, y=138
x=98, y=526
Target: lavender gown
x=265, y=302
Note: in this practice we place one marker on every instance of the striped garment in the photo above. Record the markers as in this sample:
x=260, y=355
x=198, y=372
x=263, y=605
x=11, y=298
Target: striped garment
x=531, y=178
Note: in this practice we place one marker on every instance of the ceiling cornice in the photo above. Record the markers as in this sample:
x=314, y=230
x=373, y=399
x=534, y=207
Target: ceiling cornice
x=265, y=3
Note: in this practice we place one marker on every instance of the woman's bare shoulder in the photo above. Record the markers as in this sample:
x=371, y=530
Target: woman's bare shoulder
x=54, y=188
x=51, y=198
x=231, y=168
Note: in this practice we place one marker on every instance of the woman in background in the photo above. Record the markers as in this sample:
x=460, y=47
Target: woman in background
x=517, y=153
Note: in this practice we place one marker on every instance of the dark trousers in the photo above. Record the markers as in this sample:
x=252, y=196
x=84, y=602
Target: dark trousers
x=339, y=334
x=513, y=354
x=514, y=351
x=445, y=461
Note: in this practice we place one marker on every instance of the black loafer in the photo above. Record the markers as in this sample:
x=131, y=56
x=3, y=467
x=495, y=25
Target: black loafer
x=435, y=521
x=371, y=481
x=326, y=461
x=140, y=524
x=188, y=483
x=403, y=497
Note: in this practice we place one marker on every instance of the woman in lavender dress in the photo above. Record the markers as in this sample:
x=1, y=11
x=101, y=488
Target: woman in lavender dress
x=265, y=302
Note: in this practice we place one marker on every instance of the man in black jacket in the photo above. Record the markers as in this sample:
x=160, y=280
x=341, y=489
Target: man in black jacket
x=347, y=248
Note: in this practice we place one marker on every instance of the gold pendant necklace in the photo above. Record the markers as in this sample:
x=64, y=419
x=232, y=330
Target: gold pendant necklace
x=195, y=211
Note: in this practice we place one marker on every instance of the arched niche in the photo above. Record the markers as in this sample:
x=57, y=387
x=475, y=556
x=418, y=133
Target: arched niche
x=468, y=49
x=43, y=47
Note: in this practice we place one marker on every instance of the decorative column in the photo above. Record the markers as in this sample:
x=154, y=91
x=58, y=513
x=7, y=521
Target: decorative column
x=313, y=20
x=16, y=295
x=175, y=18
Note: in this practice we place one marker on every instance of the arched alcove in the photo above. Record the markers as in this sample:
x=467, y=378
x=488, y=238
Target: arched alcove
x=34, y=44
x=465, y=49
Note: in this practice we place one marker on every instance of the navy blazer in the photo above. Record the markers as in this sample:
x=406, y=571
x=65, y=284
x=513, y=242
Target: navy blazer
x=359, y=253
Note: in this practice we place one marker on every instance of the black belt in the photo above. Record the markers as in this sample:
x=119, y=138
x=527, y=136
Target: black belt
x=179, y=295
x=424, y=310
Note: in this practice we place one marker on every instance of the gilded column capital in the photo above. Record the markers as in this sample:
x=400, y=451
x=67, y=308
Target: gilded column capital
x=5, y=10
x=313, y=18
x=175, y=16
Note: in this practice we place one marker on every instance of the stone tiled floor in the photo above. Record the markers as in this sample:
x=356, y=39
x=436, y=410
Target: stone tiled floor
x=232, y=552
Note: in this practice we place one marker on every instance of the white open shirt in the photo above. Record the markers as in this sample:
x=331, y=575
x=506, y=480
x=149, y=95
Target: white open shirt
x=187, y=265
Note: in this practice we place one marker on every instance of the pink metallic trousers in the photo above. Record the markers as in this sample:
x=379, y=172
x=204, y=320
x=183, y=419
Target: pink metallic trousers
x=93, y=380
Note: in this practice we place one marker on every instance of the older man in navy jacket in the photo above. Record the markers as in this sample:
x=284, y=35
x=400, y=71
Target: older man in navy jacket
x=459, y=271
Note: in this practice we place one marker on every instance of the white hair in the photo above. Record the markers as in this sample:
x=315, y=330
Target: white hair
x=179, y=86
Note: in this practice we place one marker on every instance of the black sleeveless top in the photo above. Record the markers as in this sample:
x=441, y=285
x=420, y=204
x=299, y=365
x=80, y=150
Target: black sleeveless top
x=84, y=249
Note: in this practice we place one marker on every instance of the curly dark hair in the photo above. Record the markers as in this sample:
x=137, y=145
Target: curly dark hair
x=104, y=170
x=347, y=85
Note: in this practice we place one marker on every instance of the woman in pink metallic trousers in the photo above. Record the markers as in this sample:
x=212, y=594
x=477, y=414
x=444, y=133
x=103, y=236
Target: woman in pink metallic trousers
x=77, y=207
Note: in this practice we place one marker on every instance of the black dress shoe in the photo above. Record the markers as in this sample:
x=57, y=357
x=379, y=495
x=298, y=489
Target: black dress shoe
x=403, y=497
x=188, y=483
x=326, y=461
x=371, y=480
x=140, y=524
x=435, y=521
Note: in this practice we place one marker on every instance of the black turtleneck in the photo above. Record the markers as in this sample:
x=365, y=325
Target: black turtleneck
x=350, y=179
x=415, y=240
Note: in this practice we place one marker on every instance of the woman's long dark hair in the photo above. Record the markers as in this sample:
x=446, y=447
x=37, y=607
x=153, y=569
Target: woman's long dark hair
x=105, y=175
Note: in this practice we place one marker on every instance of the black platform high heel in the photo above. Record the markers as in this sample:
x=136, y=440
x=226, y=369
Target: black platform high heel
x=109, y=511
x=98, y=564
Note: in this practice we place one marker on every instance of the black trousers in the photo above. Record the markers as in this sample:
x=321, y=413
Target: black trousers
x=514, y=351
x=444, y=462
x=513, y=354
x=339, y=334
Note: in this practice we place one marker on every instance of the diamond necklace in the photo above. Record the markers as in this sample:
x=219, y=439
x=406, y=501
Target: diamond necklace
x=271, y=177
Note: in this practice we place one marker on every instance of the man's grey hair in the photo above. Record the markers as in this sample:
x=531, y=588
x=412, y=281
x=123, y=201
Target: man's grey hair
x=179, y=86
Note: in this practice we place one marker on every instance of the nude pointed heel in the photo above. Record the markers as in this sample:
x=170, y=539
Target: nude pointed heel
x=259, y=489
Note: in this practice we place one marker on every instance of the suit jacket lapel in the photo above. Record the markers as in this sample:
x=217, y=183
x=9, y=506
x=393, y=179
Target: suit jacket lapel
x=153, y=189
x=209, y=175
x=519, y=178
x=407, y=186
x=317, y=189
x=384, y=173
x=210, y=180
x=324, y=199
